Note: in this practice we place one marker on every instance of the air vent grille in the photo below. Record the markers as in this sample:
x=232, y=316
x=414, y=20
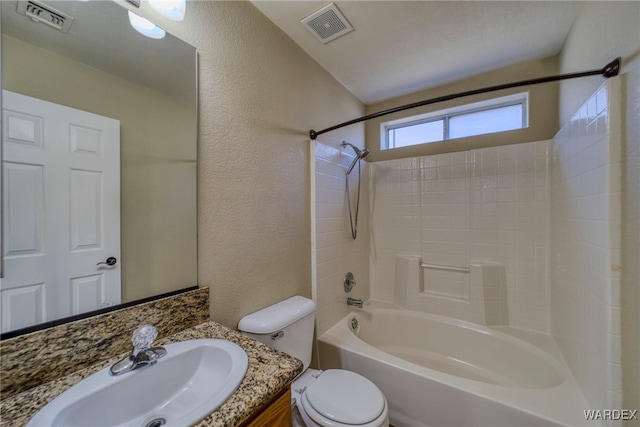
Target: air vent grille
x=327, y=24
x=46, y=14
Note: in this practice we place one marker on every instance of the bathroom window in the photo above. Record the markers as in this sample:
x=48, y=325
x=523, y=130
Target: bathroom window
x=495, y=115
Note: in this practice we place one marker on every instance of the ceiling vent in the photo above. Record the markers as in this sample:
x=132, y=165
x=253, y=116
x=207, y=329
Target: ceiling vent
x=327, y=24
x=39, y=12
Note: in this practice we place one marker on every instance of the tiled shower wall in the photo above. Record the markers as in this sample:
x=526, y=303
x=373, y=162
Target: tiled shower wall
x=334, y=251
x=481, y=205
x=586, y=245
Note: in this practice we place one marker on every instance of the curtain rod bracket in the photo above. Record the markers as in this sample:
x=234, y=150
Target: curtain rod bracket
x=610, y=70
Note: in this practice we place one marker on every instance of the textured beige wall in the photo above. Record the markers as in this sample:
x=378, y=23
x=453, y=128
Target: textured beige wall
x=603, y=31
x=543, y=119
x=259, y=96
x=158, y=165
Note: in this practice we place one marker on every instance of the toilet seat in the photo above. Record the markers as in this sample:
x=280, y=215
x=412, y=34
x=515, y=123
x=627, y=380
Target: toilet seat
x=344, y=398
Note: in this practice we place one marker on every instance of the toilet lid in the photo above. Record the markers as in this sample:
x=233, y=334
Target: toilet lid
x=345, y=397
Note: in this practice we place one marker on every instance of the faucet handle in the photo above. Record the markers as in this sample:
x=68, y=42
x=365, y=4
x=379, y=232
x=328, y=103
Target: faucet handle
x=143, y=337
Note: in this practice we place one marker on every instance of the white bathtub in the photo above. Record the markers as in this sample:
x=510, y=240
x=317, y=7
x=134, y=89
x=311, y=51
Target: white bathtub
x=437, y=371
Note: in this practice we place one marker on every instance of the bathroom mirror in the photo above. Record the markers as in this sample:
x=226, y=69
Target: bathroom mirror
x=99, y=145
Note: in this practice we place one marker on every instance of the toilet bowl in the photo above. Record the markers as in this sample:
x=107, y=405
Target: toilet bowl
x=339, y=398
x=331, y=398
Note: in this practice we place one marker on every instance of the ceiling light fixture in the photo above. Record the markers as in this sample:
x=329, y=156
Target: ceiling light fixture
x=172, y=9
x=145, y=27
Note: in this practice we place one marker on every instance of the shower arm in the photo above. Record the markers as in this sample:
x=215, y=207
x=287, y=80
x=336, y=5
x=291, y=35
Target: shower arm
x=610, y=70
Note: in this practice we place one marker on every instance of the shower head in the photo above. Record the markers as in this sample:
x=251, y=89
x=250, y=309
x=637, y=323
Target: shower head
x=360, y=154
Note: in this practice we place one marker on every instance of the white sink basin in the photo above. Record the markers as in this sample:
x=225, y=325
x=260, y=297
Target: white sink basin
x=183, y=387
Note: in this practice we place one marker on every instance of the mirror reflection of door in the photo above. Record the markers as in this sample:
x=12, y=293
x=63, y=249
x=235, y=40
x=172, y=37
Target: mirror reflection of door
x=61, y=195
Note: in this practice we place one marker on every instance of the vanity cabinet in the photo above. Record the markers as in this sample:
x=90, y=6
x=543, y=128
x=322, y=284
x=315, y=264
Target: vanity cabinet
x=277, y=413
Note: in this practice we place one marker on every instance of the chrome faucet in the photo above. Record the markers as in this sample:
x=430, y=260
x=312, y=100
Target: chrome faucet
x=143, y=354
x=354, y=302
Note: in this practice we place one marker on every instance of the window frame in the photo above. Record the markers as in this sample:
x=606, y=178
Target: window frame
x=445, y=116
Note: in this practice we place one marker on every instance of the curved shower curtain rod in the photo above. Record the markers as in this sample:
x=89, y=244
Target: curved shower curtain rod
x=609, y=70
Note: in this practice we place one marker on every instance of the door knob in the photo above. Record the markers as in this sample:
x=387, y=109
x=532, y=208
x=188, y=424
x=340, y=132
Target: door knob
x=110, y=261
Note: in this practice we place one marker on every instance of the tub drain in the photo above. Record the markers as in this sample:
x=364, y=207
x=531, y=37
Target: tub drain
x=156, y=422
x=354, y=323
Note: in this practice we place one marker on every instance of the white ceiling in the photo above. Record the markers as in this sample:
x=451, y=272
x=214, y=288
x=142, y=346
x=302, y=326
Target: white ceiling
x=399, y=47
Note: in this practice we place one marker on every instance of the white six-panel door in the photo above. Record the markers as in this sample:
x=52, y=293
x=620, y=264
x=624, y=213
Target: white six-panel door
x=61, y=196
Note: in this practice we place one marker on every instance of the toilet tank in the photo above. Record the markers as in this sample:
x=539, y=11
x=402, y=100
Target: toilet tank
x=286, y=326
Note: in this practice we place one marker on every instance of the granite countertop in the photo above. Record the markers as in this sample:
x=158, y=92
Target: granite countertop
x=268, y=373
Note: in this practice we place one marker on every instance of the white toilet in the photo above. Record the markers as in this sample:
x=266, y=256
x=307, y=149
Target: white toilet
x=335, y=397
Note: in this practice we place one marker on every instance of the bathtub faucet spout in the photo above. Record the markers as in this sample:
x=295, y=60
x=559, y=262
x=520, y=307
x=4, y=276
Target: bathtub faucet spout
x=354, y=302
